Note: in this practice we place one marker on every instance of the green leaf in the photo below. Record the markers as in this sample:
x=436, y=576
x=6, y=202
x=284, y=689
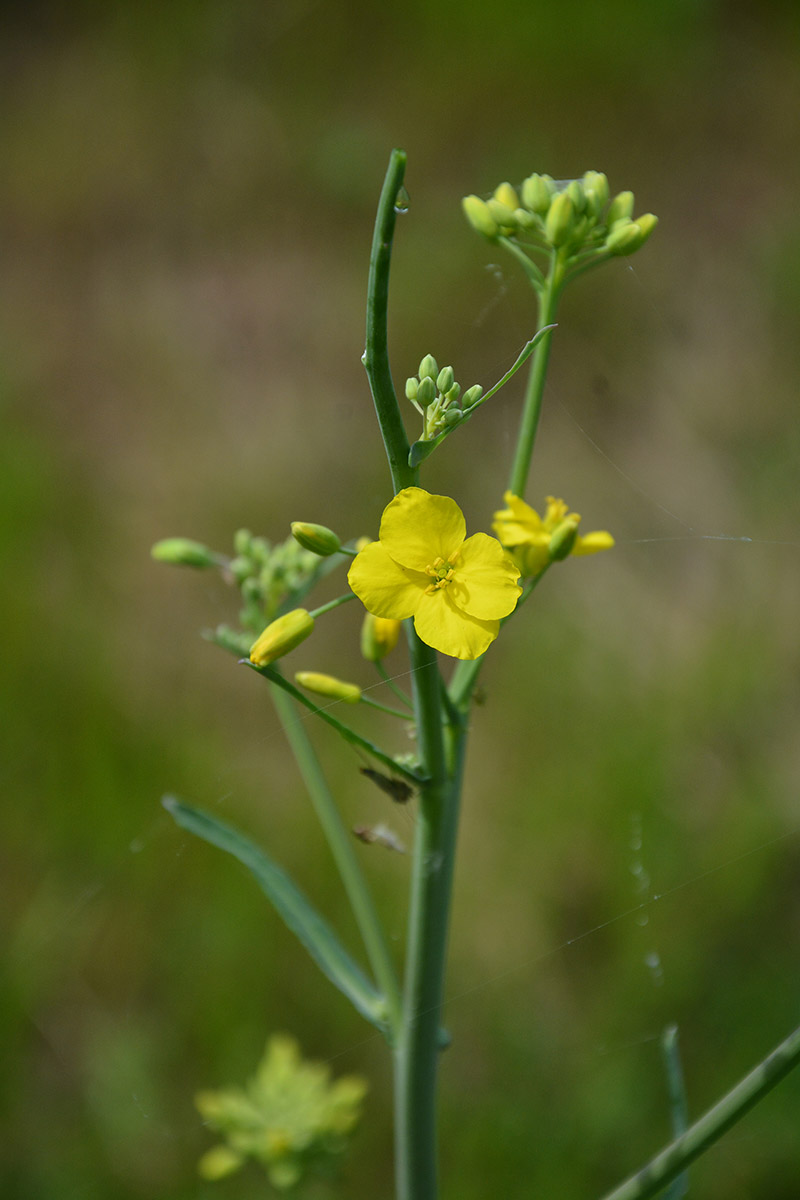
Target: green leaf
x=298, y=913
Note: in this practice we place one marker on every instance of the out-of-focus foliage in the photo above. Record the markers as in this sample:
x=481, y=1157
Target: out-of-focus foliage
x=186, y=202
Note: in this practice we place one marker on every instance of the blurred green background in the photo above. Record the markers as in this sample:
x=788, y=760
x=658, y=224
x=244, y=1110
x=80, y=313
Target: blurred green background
x=186, y=199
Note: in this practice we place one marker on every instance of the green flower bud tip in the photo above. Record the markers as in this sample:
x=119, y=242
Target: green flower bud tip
x=328, y=685
x=506, y=196
x=428, y=368
x=624, y=238
x=562, y=540
x=316, y=538
x=452, y=394
x=558, y=225
x=452, y=417
x=477, y=213
x=536, y=194
x=646, y=223
x=472, y=395
x=501, y=214
x=621, y=206
x=181, y=552
x=595, y=185
x=412, y=383
x=577, y=195
x=426, y=392
x=445, y=379
x=281, y=636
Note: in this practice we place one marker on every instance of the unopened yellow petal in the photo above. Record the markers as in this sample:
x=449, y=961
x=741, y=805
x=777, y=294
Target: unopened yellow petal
x=590, y=543
x=485, y=583
x=447, y=628
x=417, y=528
x=383, y=587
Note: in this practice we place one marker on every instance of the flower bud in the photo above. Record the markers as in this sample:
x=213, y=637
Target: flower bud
x=452, y=416
x=477, y=213
x=317, y=538
x=242, y=540
x=281, y=636
x=445, y=379
x=506, y=195
x=452, y=394
x=426, y=392
x=595, y=185
x=624, y=238
x=378, y=636
x=502, y=214
x=558, y=225
x=562, y=540
x=621, y=206
x=536, y=194
x=181, y=552
x=472, y=395
x=328, y=685
x=412, y=383
x=428, y=368
x=577, y=195
x=646, y=223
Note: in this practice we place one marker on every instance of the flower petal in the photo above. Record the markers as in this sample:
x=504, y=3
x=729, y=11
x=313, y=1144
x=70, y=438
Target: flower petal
x=417, y=528
x=590, y=543
x=518, y=523
x=383, y=587
x=448, y=629
x=485, y=583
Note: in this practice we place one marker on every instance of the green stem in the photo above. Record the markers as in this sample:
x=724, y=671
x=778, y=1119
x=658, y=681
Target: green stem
x=385, y=708
x=387, y=679
x=417, y=1048
x=548, y=304
x=341, y=848
x=376, y=354
x=332, y=604
x=674, y=1158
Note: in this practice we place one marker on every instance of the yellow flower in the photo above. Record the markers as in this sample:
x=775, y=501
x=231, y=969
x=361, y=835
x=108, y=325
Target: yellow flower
x=456, y=588
x=535, y=541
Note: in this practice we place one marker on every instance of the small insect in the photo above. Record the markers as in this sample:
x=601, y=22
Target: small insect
x=400, y=791
x=380, y=835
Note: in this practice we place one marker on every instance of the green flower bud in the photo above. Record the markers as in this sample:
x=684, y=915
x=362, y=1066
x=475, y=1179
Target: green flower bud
x=562, y=540
x=242, y=541
x=452, y=417
x=537, y=193
x=646, y=223
x=426, y=392
x=452, y=394
x=624, y=238
x=378, y=636
x=328, y=685
x=281, y=636
x=577, y=196
x=506, y=195
x=261, y=550
x=181, y=552
x=501, y=213
x=445, y=379
x=560, y=218
x=477, y=213
x=412, y=383
x=595, y=185
x=621, y=206
x=316, y=538
x=428, y=368
x=471, y=395
x=240, y=568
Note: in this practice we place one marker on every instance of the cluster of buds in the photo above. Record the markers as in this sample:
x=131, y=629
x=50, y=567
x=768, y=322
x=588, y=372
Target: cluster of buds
x=571, y=216
x=438, y=399
x=267, y=573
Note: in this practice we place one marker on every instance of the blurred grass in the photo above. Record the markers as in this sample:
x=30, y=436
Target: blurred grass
x=187, y=196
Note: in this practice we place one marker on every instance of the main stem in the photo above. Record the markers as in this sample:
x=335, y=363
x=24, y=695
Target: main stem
x=548, y=305
x=418, y=1046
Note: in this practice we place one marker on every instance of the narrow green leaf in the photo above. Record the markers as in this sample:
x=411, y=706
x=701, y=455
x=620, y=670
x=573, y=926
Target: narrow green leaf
x=298, y=913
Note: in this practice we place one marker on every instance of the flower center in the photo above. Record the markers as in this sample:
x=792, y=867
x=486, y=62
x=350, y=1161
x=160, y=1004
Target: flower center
x=441, y=571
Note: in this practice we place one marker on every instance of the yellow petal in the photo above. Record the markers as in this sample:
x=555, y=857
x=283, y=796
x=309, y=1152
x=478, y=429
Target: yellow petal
x=518, y=523
x=383, y=587
x=485, y=583
x=417, y=528
x=590, y=543
x=448, y=629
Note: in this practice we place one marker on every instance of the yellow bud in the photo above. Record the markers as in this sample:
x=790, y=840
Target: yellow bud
x=317, y=538
x=621, y=206
x=281, y=636
x=647, y=223
x=378, y=636
x=624, y=237
x=477, y=213
x=502, y=214
x=595, y=185
x=327, y=685
x=506, y=196
x=558, y=225
x=537, y=193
